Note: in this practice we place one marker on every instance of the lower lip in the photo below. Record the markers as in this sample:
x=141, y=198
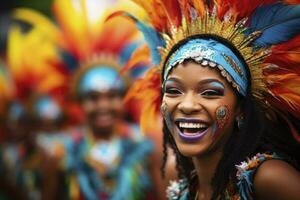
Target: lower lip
x=104, y=119
x=192, y=137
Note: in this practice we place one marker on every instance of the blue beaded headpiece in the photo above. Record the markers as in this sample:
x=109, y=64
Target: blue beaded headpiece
x=209, y=52
x=100, y=79
x=47, y=108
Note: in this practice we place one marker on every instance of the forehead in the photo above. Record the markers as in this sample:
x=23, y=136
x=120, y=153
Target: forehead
x=104, y=94
x=190, y=72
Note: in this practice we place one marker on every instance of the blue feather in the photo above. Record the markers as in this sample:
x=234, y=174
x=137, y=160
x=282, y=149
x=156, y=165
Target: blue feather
x=278, y=23
x=126, y=52
x=70, y=61
x=152, y=37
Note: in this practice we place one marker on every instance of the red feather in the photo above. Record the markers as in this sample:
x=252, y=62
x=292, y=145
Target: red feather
x=286, y=55
x=239, y=8
x=185, y=7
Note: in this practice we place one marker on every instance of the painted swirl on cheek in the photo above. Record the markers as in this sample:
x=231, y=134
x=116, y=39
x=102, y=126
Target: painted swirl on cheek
x=222, y=116
x=166, y=115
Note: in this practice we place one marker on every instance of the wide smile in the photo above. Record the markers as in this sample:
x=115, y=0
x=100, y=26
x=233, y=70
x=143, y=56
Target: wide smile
x=191, y=129
x=104, y=118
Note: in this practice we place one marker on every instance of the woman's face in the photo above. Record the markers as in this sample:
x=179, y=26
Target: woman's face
x=199, y=107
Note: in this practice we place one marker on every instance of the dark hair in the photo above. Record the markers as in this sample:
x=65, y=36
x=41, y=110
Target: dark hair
x=259, y=134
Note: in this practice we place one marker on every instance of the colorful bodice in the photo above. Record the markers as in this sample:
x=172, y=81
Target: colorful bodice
x=179, y=190
x=123, y=174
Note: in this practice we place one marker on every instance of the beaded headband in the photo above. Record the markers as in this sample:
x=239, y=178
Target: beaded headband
x=213, y=54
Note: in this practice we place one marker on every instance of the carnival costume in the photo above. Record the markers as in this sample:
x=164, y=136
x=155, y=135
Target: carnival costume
x=35, y=76
x=96, y=53
x=251, y=43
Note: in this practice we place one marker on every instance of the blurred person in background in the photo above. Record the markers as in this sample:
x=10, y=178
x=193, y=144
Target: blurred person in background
x=35, y=79
x=6, y=92
x=47, y=114
x=13, y=129
x=106, y=157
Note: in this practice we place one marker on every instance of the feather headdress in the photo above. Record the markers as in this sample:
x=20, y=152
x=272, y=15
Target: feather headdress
x=264, y=33
x=80, y=41
x=83, y=39
x=34, y=63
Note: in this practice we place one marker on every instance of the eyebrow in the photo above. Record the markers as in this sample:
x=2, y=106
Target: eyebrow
x=207, y=81
x=173, y=79
x=204, y=81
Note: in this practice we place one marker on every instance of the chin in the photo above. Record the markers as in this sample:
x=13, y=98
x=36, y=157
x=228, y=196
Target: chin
x=104, y=126
x=107, y=123
x=192, y=150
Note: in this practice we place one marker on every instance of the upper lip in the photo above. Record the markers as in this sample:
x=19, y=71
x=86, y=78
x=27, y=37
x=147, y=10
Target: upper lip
x=190, y=120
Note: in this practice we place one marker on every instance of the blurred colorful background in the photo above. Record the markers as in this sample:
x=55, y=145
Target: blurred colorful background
x=66, y=131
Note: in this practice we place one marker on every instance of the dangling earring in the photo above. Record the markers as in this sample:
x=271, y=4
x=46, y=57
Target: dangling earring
x=240, y=121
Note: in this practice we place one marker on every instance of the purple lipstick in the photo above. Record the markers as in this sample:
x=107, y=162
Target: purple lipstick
x=191, y=129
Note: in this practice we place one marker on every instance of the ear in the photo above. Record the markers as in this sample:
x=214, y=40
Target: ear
x=239, y=108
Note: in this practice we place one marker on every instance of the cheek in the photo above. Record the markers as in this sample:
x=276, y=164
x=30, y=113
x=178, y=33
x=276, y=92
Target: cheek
x=170, y=102
x=167, y=107
x=224, y=119
x=117, y=105
x=87, y=107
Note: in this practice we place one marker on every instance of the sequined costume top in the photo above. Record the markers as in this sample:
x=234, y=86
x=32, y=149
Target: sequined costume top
x=243, y=190
x=114, y=169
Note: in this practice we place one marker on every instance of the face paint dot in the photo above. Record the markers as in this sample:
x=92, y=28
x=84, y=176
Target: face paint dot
x=163, y=108
x=221, y=112
x=166, y=115
x=222, y=117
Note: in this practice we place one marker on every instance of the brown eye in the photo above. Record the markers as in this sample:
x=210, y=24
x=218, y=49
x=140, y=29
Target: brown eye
x=92, y=96
x=172, y=91
x=113, y=94
x=211, y=93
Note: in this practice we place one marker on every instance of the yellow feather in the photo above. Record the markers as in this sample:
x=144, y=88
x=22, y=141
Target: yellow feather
x=14, y=50
x=39, y=21
x=32, y=58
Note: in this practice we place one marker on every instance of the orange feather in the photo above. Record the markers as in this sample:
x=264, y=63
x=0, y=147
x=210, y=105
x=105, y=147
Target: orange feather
x=199, y=5
x=164, y=14
x=146, y=90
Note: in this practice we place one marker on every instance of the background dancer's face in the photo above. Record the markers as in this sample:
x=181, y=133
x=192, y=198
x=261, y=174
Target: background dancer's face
x=103, y=109
x=199, y=107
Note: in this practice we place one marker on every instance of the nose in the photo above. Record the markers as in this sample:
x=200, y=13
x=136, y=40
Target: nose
x=103, y=102
x=189, y=104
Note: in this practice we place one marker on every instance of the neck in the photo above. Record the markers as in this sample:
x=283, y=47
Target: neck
x=205, y=166
x=103, y=134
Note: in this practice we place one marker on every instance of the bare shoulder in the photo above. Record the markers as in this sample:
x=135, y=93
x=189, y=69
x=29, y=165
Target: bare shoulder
x=276, y=179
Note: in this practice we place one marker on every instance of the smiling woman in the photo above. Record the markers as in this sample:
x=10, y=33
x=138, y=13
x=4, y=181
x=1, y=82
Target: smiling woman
x=229, y=96
x=194, y=104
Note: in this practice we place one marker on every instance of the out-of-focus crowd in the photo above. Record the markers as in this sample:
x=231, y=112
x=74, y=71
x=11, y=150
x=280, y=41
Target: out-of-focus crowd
x=66, y=129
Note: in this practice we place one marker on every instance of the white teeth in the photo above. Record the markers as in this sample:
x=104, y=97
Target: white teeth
x=191, y=125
